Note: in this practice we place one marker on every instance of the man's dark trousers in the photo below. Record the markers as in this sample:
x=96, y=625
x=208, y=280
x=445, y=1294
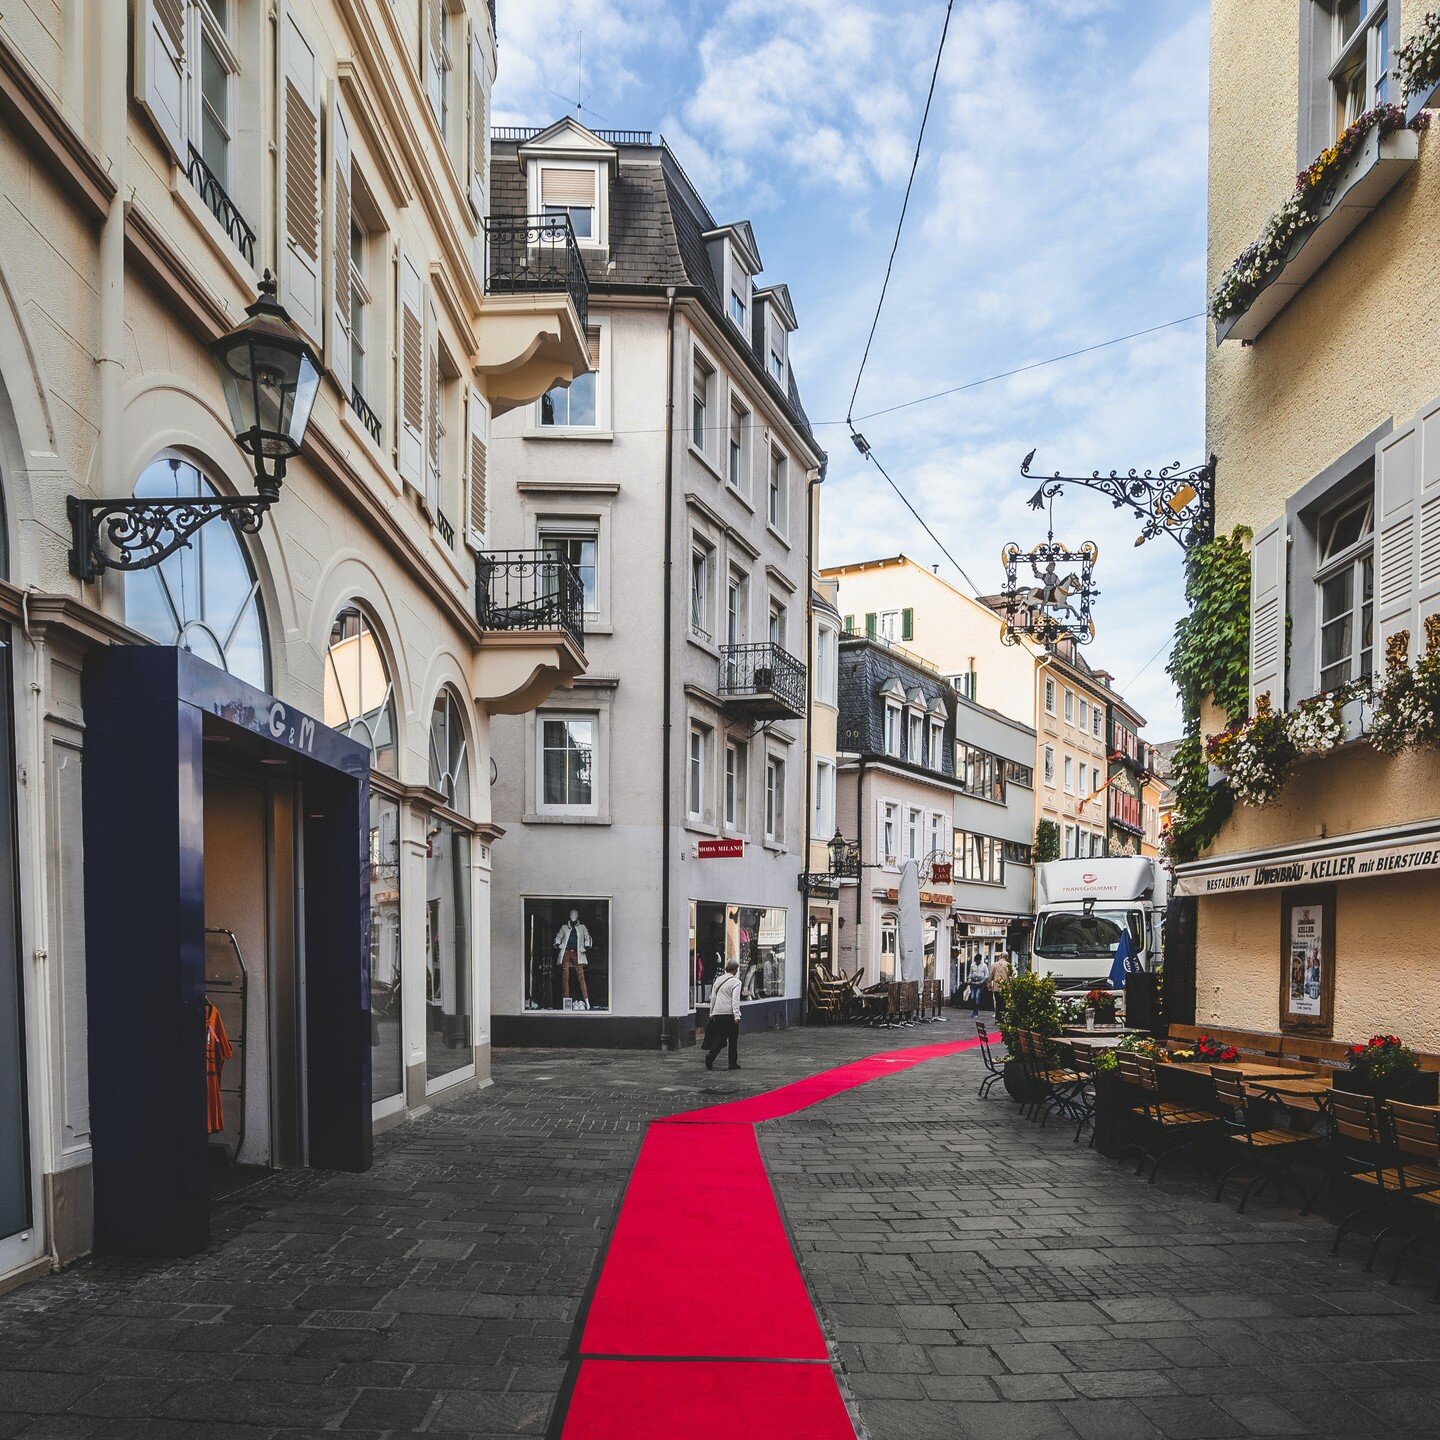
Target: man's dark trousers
x=720, y=1030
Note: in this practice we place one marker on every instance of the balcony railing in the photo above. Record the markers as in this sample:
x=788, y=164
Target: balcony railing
x=529, y=590
x=536, y=254
x=445, y=527
x=765, y=680
x=368, y=418
x=221, y=206
x=519, y=134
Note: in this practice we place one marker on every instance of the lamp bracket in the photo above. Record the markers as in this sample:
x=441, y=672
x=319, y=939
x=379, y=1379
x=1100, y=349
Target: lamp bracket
x=137, y=534
x=1171, y=501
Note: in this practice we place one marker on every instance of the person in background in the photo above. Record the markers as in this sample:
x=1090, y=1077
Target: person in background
x=975, y=978
x=999, y=978
x=724, y=1023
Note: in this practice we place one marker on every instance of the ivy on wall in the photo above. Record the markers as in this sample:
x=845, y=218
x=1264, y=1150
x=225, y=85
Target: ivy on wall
x=1211, y=658
x=1047, y=842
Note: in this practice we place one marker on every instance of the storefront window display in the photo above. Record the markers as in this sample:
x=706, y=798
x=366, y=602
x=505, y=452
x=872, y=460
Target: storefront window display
x=567, y=954
x=360, y=703
x=448, y=973
x=889, y=947
x=932, y=945
x=751, y=934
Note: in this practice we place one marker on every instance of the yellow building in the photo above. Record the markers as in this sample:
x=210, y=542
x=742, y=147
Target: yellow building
x=1318, y=911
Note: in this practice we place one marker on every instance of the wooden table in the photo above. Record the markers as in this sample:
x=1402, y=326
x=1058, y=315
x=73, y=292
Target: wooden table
x=1304, y=1094
x=1080, y=1031
x=1251, y=1070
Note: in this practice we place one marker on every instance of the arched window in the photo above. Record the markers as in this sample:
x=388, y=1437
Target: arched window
x=449, y=753
x=360, y=703
x=359, y=694
x=205, y=597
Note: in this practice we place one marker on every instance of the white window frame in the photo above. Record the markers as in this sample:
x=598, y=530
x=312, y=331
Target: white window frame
x=1097, y=721
x=1049, y=694
x=889, y=834
x=737, y=606
x=736, y=782
x=600, y=429
x=779, y=624
x=1070, y=849
x=703, y=408
x=777, y=492
x=894, y=729
x=938, y=827
x=203, y=25
x=1354, y=559
x=913, y=823
x=1050, y=766
x=1362, y=53
x=552, y=528
x=936, y=755
x=567, y=717
x=823, y=820
x=915, y=736
x=697, y=771
x=738, y=283
x=827, y=667
x=737, y=456
x=702, y=549
x=775, y=800
x=1069, y=774
x=1069, y=706
x=600, y=211
x=1084, y=714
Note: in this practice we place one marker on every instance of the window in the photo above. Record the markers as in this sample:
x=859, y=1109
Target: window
x=574, y=406
x=1017, y=774
x=1069, y=774
x=1070, y=851
x=1084, y=715
x=1084, y=771
x=571, y=193
x=775, y=800
x=448, y=940
x=204, y=597
x=779, y=623
x=777, y=504
x=214, y=87
x=1049, y=696
x=889, y=948
x=777, y=365
x=912, y=834
x=753, y=936
x=890, y=833
x=937, y=745
x=1359, y=74
x=823, y=825
x=567, y=764
x=915, y=738
x=892, y=624
x=1049, y=764
x=1097, y=843
x=982, y=773
x=892, y=729
x=737, y=597
x=1069, y=707
x=578, y=545
x=1097, y=719
x=1345, y=585
x=827, y=667
x=939, y=841
x=738, y=468
x=702, y=569
x=359, y=696
x=737, y=772
x=738, y=307
x=567, y=954
x=702, y=402
x=696, y=772
x=449, y=753
x=1017, y=853
x=439, y=63
x=980, y=858
x=359, y=308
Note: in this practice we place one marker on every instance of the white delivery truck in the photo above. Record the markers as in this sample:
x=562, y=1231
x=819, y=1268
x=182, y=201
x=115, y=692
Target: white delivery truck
x=1082, y=909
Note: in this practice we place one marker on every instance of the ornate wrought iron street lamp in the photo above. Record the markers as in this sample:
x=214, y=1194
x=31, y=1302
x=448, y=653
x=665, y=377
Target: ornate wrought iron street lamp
x=270, y=378
x=839, y=848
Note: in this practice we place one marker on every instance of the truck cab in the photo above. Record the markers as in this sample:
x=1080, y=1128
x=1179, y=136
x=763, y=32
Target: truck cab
x=1082, y=909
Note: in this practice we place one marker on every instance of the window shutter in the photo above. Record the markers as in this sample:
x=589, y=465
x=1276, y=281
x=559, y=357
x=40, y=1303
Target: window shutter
x=1397, y=484
x=870, y=624
x=410, y=374
x=592, y=348
x=567, y=187
x=301, y=208
x=1267, y=615
x=907, y=624
x=432, y=42
x=338, y=339
x=1428, y=568
x=478, y=458
x=479, y=126
x=434, y=437
x=849, y=624
x=160, y=68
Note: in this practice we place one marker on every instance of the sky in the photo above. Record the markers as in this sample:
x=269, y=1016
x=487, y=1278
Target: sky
x=1060, y=202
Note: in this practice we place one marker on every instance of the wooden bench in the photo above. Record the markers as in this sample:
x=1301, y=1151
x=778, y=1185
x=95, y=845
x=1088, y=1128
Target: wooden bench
x=1318, y=1056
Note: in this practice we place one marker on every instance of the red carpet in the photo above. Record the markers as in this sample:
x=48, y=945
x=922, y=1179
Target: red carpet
x=700, y=1400
x=701, y=1334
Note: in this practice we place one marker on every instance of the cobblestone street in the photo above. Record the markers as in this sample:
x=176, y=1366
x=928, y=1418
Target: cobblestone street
x=976, y=1276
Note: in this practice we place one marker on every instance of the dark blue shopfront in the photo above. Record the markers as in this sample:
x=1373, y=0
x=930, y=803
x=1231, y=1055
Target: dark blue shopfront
x=155, y=719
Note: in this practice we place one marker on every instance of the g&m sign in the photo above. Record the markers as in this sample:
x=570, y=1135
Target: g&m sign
x=1359, y=862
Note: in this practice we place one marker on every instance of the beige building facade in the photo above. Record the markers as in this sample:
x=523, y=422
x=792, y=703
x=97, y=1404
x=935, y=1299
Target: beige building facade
x=1326, y=422
x=159, y=158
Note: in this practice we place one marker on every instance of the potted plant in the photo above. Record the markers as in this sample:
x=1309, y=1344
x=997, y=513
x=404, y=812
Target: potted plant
x=1112, y=1112
x=1102, y=1002
x=1209, y=1051
x=1388, y=1069
x=1029, y=1004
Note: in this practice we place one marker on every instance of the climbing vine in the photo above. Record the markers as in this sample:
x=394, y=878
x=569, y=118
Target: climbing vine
x=1047, y=842
x=1211, y=658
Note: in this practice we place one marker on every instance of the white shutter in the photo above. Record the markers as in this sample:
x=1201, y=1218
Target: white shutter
x=479, y=126
x=432, y=43
x=434, y=452
x=337, y=341
x=301, y=205
x=160, y=68
x=410, y=373
x=1397, y=482
x=1267, y=615
x=477, y=458
x=1427, y=601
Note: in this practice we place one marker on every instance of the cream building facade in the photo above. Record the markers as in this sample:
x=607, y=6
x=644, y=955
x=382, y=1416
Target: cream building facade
x=824, y=883
x=1327, y=427
x=334, y=674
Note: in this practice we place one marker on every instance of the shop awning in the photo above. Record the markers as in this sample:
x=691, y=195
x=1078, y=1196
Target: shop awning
x=1365, y=855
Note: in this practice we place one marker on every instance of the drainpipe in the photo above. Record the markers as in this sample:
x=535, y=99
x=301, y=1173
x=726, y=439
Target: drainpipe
x=110, y=324
x=860, y=808
x=814, y=478
x=666, y=722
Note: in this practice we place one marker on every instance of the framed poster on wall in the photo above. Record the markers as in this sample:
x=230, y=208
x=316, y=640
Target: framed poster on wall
x=1307, y=960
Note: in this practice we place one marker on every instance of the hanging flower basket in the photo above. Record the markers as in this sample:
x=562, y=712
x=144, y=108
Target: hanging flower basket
x=1407, y=702
x=1417, y=64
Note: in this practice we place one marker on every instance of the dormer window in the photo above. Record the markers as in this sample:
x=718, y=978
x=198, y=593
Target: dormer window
x=738, y=308
x=777, y=366
x=571, y=192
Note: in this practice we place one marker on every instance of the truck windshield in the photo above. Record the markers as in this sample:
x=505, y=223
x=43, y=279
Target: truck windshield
x=1071, y=933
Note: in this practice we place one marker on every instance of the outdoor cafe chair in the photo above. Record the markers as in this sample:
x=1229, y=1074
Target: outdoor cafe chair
x=1083, y=1063
x=1168, y=1129
x=1054, y=1083
x=1415, y=1130
x=1267, y=1151
x=1361, y=1149
x=993, y=1069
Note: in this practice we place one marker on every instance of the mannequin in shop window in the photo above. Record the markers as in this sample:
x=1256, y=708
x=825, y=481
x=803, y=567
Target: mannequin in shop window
x=573, y=943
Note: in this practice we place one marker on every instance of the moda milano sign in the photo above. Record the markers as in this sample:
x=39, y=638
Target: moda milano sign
x=1358, y=862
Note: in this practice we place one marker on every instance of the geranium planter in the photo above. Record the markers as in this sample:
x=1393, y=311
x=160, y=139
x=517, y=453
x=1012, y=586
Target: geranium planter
x=1418, y=1088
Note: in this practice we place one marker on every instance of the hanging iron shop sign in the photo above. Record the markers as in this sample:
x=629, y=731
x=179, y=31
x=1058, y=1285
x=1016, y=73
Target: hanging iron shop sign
x=1049, y=590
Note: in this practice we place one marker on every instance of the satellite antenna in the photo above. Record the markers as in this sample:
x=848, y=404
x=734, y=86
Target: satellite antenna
x=578, y=103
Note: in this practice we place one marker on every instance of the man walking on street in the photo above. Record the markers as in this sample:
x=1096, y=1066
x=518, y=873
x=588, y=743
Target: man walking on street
x=724, y=1023
x=975, y=979
x=999, y=978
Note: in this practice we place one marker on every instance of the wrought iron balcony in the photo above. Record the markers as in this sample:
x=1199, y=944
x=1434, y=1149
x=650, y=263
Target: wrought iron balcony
x=221, y=206
x=529, y=590
x=536, y=254
x=445, y=527
x=764, y=681
x=368, y=418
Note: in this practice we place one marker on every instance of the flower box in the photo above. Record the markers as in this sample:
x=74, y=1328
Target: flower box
x=1375, y=169
x=1420, y=1088
x=1427, y=99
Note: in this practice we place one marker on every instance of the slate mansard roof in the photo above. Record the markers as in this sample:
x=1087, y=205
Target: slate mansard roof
x=866, y=665
x=658, y=224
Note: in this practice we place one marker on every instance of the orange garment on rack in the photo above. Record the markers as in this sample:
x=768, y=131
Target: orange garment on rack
x=217, y=1051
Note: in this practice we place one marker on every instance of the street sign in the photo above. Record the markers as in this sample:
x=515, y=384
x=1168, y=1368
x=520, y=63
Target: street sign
x=720, y=849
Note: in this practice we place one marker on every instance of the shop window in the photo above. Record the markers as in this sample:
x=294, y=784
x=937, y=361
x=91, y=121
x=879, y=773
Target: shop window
x=753, y=935
x=205, y=597
x=567, y=954
x=359, y=695
x=889, y=946
x=932, y=945
x=449, y=753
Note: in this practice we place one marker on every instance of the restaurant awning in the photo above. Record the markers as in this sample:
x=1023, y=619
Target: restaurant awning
x=1364, y=855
